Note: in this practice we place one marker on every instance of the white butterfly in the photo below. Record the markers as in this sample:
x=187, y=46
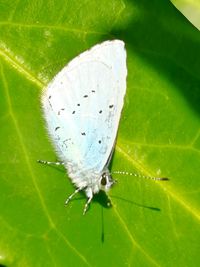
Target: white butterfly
x=82, y=108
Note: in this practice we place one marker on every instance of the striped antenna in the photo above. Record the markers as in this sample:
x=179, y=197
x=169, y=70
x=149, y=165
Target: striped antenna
x=141, y=176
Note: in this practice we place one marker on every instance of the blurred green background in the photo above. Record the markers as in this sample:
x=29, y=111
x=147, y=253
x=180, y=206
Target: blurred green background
x=150, y=223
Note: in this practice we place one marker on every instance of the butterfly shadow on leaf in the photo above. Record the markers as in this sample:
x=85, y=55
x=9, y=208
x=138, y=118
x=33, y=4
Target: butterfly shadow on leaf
x=136, y=204
x=103, y=199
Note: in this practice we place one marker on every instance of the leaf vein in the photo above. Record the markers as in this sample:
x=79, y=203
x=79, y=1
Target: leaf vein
x=179, y=199
x=133, y=241
x=53, y=27
x=20, y=68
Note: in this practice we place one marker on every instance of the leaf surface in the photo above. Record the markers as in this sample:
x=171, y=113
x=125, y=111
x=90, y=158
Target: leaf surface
x=150, y=223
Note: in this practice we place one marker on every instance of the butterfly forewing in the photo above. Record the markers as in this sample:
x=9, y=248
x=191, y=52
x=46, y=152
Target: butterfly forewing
x=82, y=106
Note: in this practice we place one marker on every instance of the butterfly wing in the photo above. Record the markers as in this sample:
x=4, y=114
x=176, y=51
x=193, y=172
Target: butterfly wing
x=82, y=106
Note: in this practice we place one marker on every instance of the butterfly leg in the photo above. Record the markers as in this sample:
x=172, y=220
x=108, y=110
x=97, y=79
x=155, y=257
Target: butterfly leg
x=89, y=194
x=50, y=162
x=87, y=205
x=73, y=194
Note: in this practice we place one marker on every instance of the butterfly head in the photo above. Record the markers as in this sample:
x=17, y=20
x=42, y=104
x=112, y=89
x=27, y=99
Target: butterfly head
x=106, y=181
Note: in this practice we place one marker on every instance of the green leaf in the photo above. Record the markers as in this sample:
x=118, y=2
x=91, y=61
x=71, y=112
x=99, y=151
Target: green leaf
x=190, y=9
x=150, y=223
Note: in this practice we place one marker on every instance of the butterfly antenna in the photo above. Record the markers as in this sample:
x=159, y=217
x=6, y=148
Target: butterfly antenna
x=141, y=176
x=50, y=162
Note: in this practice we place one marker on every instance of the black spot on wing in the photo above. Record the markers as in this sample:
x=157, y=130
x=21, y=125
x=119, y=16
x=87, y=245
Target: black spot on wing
x=66, y=142
x=50, y=101
x=62, y=109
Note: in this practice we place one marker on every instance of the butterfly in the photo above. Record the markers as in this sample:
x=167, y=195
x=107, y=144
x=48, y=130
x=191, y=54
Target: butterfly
x=82, y=107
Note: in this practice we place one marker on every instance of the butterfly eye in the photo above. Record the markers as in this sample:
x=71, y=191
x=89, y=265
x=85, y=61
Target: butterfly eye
x=103, y=180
